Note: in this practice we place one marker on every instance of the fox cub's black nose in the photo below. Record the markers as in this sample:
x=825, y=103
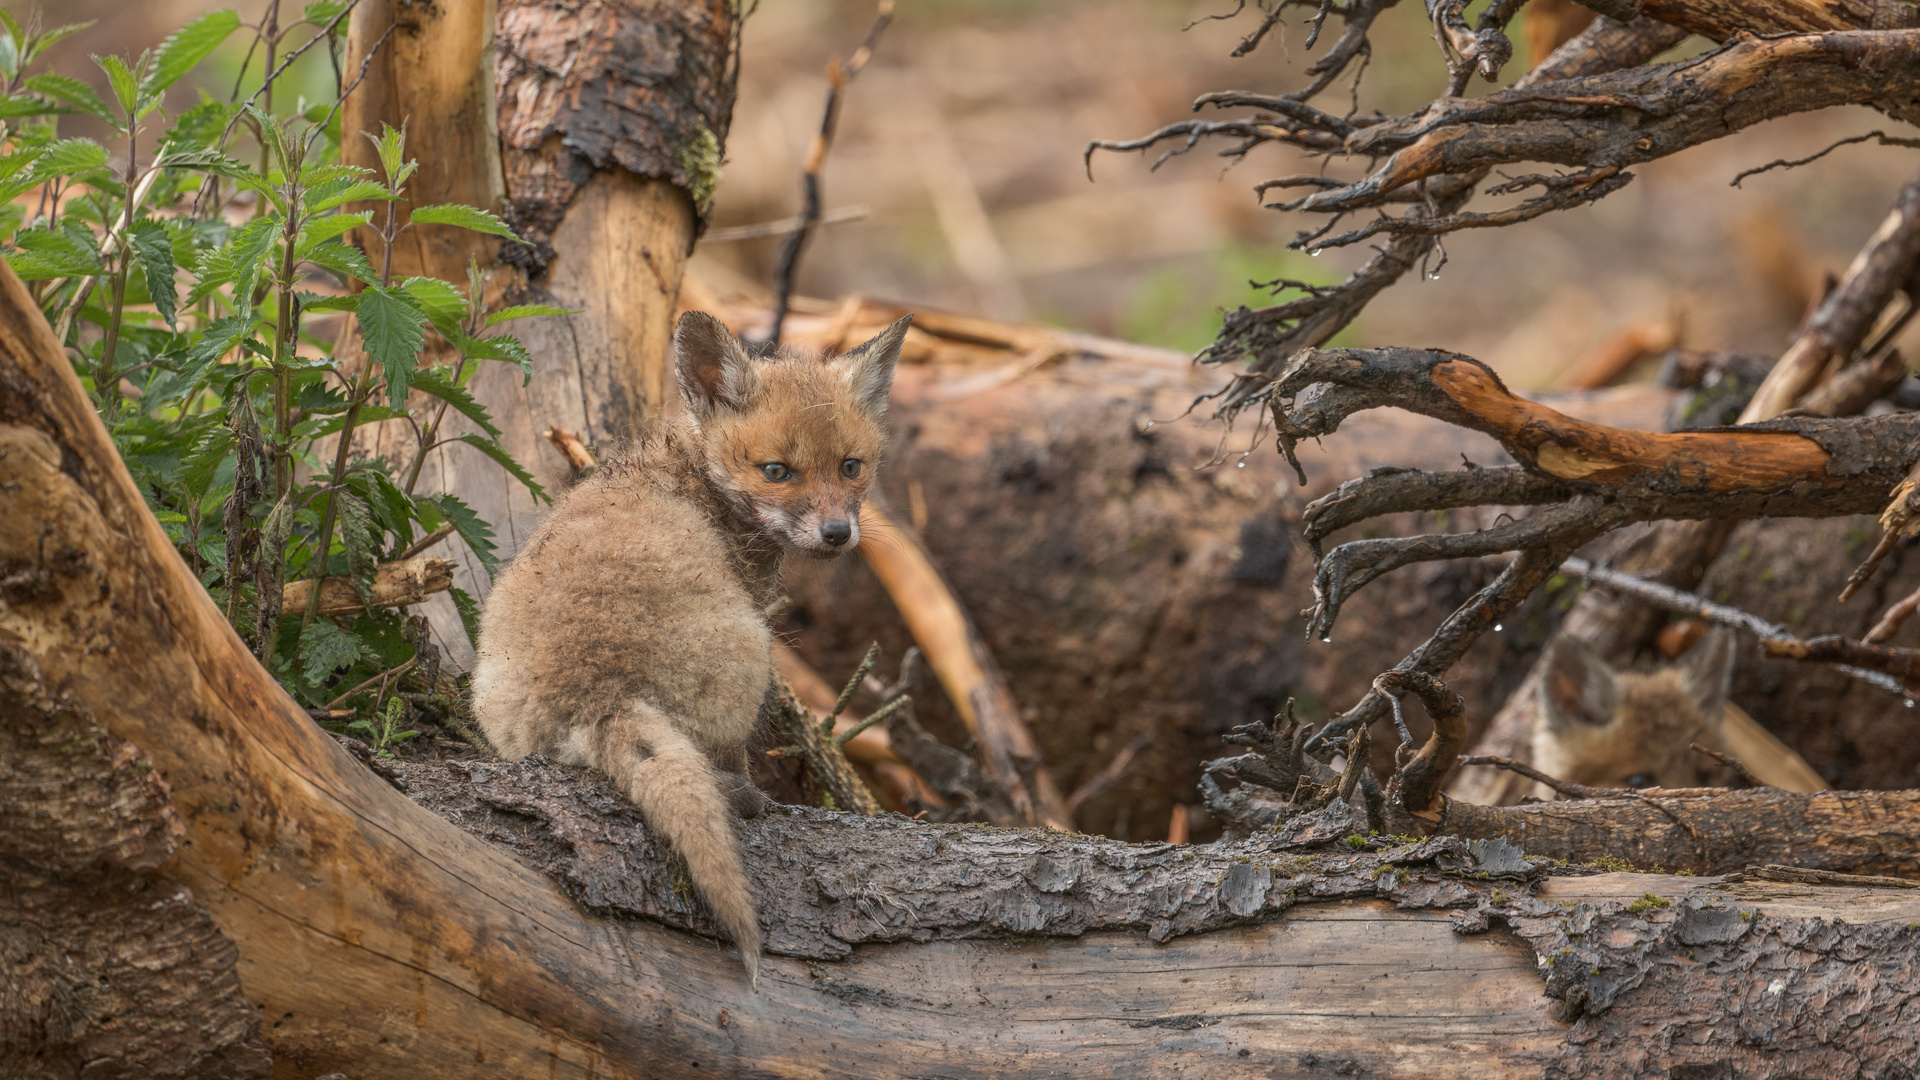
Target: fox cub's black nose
x=836, y=532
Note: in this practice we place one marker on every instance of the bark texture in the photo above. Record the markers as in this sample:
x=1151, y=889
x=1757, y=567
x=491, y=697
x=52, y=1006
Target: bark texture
x=106, y=969
x=645, y=86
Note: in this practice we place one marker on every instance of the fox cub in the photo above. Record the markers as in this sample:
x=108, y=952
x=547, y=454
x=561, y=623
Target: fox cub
x=1608, y=728
x=630, y=634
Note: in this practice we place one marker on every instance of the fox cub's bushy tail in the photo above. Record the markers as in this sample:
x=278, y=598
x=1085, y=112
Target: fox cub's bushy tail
x=679, y=792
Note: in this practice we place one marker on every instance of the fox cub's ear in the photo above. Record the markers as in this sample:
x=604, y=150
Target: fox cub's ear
x=1707, y=672
x=1579, y=687
x=715, y=371
x=869, y=367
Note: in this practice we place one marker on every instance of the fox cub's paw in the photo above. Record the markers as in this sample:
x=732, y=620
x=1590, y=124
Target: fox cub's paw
x=747, y=801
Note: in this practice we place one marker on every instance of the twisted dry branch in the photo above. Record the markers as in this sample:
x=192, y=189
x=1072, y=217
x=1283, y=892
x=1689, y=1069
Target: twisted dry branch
x=1596, y=478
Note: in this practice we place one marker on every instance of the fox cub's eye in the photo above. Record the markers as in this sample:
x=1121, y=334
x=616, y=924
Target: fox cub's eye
x=850, y=468
x=776, y=472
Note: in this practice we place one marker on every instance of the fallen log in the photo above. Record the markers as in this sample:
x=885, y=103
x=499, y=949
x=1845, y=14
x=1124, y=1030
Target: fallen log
x=377, y=939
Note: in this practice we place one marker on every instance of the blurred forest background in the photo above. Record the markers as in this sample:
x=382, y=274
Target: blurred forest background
x=958, y=182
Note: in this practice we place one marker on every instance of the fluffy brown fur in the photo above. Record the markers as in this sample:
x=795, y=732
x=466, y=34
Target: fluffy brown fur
x=630, y=634
x=1609, y=728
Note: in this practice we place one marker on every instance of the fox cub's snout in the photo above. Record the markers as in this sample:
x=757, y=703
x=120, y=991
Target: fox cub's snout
x=791, y=442
x=1609, y=728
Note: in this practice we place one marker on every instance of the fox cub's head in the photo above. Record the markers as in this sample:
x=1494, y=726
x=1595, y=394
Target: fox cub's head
x=1609, y=728
x=791, y=441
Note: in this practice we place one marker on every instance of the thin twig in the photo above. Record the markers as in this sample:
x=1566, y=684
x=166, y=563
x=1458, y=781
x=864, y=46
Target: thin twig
x=1115, y=771
x=394, y=672
x=1895, y=617
x=425, y=542
x=1885, y=140
x=1686, y=603
x=838, y=76
x=1802, y=875
x=1730, y=762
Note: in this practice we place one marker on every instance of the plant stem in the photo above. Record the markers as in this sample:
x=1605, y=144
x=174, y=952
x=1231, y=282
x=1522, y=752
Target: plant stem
x=105, y=383
x=428, y=433
x=361, y=388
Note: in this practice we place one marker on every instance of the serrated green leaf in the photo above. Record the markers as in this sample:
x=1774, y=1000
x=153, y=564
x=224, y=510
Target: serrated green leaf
x=202, y=464
x=316, y=302
x=198, y=127
x=154, y=249
x=17, y=105
x=72, y=92
x=319, y=230
x=392, y=509
x=391, y=147
x=358, y=538
x=120, y=77
x=343, y=261
x=469, y=610
x=505, y=460
x=428, y=381
x=201, y=159
x=40, y=254
x=322, y=12
x=212, y=271
x=523, y=311
x=14, y=30
x=68, y=157
x=50, y=38
x=262, y=188
x=221, y=336
x=9, y=56
x=247, y=252
x=186, y=47
x=465, y=217
x=444, y=305
x=477, y=534
x=391, y=329
x=502, y=347
x=324, y=648
x=337, y=193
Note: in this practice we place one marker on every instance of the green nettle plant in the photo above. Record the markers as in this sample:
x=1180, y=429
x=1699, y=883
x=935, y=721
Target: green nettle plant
x=200, y=299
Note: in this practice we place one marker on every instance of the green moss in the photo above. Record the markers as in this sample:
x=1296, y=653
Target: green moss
x=1612, y=864
x=701, y=159
x=1648, y=902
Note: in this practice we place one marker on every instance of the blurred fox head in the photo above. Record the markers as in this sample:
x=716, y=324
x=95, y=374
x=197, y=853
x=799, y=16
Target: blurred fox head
x=791, y=442
x=1608, y=728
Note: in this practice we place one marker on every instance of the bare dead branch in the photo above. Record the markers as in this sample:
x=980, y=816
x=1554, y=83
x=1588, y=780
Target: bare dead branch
x=1894, y=618
x=1623, y=118
x=1394, y=490
x=1686, y=603
x=1352, y=566
x=1730, y=762
x=1801, y=875
x=1844, y=318
x=839, y=74
x=1882, y=137
x=1564, y=787
x=1115, y=771
x=1903, y=664
x=1415, y=786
